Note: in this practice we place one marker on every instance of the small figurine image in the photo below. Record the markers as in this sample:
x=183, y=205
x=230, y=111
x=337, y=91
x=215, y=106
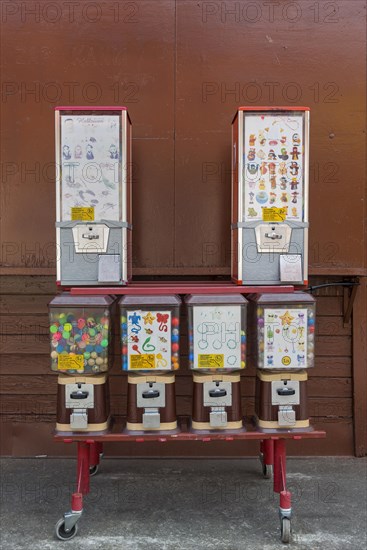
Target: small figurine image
x=113, y=152
x=263, y=168
x=283, y=140
x=273, y=182
x=273, y=142
x=283, y=183
x=78, y=152
x=273, y=197
x=252, y=140
x=262, y=184
x=251, y=154
x=270, y=360
x=296, y=139
x=294, y=184
x=294, y=195
x=262, y=197
x=251, y=195
x=252, y=168
x=284, y=197
x=283, y=154
x=262, y=138
x=252, y=212
x=66, y=152
x=295, y=153
x=282, y=169
x=294, y=211
x=301, y=358
x=261, y=154
x=294, y=169
x=272, y=155
x=89, y=154
x=272, y=168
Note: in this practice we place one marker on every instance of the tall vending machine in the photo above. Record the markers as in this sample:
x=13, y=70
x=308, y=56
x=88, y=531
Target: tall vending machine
x=270, y=174
x=93, y=195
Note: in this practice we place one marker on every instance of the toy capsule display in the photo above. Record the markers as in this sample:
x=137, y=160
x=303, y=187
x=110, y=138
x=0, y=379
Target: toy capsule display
x=150, y=338
x=217, y=353
x=284, y=337
x=80, y=331
x=150, y=333
x=82, y=403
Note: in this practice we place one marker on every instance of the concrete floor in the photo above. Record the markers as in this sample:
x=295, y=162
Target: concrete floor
x=185, y=505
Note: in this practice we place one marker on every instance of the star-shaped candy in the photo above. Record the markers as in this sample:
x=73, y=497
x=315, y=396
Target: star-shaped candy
x=286, y=318
x=148, y=318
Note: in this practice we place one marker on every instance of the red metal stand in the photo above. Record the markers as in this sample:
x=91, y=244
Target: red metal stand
x=272, y=453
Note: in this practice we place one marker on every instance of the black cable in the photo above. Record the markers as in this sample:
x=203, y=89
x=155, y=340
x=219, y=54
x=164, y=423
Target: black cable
x=339, y=283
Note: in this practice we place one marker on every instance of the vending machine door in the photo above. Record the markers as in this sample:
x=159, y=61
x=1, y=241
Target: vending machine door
x=270, y=158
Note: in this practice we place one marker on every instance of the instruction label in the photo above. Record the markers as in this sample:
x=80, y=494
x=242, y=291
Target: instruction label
x=70, y=362
x=82, y=213
x=211, y=361
x=143, y=361
x=274, y=214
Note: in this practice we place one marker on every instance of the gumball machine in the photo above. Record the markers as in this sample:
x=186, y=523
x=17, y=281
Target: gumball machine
x=270, y=178
x=282, y=348
x=217, y=354
x=93, y=195
x=80, y=331
x=150, y=339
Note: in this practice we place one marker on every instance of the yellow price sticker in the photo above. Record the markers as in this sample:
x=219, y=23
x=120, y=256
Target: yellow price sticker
x=274, y=214
x=286, y=360
x=70, y=362
x=211, y=361
x=143, y=361
x=82, y=213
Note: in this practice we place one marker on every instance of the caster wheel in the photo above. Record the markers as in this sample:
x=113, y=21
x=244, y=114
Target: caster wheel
x=267, y=471
x=62, y=534
x=285, y=530
x=93, y=470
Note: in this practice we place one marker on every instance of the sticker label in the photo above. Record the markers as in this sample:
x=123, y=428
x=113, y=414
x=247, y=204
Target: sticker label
x=211, y=361
x=70, y=362
x=274, y=214
x=143, y=361
x=81, y=213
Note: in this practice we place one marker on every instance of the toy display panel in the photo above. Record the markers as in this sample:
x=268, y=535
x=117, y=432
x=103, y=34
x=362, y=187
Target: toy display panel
x=91, y=161
x=217, y=334
x=273, y=167
x=150, y=335
x=284, y=337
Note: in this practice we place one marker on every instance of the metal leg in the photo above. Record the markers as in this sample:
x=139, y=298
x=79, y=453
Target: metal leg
x=280, y=486
x=67, y=527
x=267, y=457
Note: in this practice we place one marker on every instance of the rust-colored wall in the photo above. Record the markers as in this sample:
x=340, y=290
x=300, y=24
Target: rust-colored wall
x=182, y=68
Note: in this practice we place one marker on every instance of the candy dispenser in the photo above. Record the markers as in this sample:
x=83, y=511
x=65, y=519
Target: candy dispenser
x=150, y=339
x=282, y=348
x=81, y=351
x=270, y=173
x=217, y=353
x=93, y=195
